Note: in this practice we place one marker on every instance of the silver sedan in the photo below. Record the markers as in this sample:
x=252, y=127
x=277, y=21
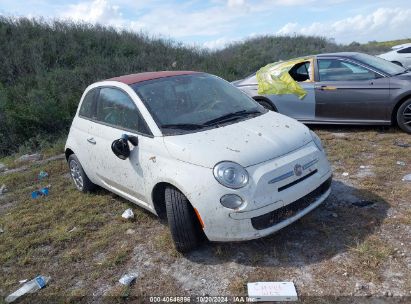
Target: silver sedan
x=343, y=88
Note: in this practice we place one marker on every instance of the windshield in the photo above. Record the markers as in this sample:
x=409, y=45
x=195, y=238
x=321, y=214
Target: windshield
x=381, y=64
x=195, y=101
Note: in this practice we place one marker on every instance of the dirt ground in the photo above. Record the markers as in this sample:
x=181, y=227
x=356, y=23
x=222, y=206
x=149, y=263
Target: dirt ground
x=356, y=247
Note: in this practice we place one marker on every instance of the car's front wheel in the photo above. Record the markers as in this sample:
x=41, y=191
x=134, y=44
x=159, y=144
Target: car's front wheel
x=79, y=177
x=182, y=220
x=404, y=116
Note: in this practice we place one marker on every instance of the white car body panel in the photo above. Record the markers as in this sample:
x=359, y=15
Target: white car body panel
x=267, y=146
x=403, y=58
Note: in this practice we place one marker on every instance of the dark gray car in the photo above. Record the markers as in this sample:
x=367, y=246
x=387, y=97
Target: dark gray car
x=343, y=88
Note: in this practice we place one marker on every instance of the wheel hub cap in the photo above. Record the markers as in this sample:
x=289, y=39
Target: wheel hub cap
x=407, y=115
x=76, y=174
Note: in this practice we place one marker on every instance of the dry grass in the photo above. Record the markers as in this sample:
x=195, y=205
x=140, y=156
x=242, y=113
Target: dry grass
x=80, y=239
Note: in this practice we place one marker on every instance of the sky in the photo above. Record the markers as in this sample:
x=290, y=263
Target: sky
x=215, y=23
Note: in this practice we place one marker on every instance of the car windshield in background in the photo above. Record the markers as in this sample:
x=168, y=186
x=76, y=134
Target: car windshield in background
x=196, y=101
x=381, y=64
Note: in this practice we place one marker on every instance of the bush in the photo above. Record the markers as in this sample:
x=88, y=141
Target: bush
x=45, y=67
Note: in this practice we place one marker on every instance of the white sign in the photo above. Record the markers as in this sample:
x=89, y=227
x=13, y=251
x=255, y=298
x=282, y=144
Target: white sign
x=272, y=291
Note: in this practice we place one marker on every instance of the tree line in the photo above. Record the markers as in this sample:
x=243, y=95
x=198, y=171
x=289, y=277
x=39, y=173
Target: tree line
x=45, y=67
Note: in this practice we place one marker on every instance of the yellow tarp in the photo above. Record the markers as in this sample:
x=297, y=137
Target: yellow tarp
x=275, y=79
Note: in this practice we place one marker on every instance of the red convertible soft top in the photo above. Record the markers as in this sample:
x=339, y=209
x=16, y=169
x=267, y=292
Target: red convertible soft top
x=134, y=78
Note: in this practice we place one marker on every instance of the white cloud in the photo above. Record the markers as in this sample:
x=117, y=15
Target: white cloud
x=97, y=11
x=383, y=23
x=235, y=3
x=217, y=43
x=171, y=19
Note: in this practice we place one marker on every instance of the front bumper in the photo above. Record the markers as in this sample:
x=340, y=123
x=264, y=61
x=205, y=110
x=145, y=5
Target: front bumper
x=270, y=206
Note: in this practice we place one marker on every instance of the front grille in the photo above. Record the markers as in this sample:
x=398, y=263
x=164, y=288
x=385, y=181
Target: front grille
x=274, y=217
x=297, y=181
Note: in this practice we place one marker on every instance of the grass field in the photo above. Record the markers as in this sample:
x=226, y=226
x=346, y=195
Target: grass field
x=341, y=249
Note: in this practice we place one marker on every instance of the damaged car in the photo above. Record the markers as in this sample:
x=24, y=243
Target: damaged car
x=337, y=88
x=192, y=148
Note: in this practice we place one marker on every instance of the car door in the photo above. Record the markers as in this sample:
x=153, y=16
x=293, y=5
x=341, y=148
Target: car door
x=117, y=114
x=347, y=91
x=404, y=56
x=289, y=104
x=82, y=131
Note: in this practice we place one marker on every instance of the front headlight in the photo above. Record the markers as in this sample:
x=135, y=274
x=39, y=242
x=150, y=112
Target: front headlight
x=231, y=175
x=317, y=141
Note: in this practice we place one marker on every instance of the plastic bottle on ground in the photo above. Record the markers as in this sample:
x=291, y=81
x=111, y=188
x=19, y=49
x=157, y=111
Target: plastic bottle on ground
x=29, y=287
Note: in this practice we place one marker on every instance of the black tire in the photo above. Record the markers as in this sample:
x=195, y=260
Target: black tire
x=77, y=174
x=266, y=105
x=182, y=220
x=404, y=116
x=397, y=63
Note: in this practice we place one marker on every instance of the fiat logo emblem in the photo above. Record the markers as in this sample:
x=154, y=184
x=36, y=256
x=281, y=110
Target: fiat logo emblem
x=298, y=169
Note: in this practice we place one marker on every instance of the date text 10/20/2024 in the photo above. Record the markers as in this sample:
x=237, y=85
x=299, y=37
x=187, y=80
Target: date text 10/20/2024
x=205, y=299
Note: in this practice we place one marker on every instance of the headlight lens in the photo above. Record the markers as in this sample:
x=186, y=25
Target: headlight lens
x=231, y=175
x=317, y=141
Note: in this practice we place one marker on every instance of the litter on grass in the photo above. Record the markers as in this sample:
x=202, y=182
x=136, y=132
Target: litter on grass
x=272, y=291
x=407, y=178
x=400, y=163
x=127, y=279
x=130, y=231
x=3, y=189
x=43, y=175
x=32, y=286
x=41, y=192
x=128, y=214
x=29, y=157
x=345, y=174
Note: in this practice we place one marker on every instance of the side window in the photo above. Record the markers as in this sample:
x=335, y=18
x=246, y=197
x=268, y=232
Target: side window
x=405, y=51
x=88, y=106
x=114, y=107
x=301, y=71
x=338, y=70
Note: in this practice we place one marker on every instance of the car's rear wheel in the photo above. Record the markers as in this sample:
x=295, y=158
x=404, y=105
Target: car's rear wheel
x=404, y=116
x=79, y=177
x=266, y=104
x=182, y=220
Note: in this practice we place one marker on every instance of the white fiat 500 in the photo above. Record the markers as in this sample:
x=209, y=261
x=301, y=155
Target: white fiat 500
x=191, y=147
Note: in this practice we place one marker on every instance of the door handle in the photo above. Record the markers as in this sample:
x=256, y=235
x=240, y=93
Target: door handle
x=326, y=88
x=91, y=140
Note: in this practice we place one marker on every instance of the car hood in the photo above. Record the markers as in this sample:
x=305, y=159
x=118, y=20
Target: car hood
x=247, y=142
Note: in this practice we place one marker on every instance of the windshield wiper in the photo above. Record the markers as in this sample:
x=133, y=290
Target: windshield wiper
x=231, y=116
x=183, y=126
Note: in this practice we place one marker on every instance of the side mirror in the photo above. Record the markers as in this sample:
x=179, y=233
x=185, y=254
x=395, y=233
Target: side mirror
x=120, y=146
